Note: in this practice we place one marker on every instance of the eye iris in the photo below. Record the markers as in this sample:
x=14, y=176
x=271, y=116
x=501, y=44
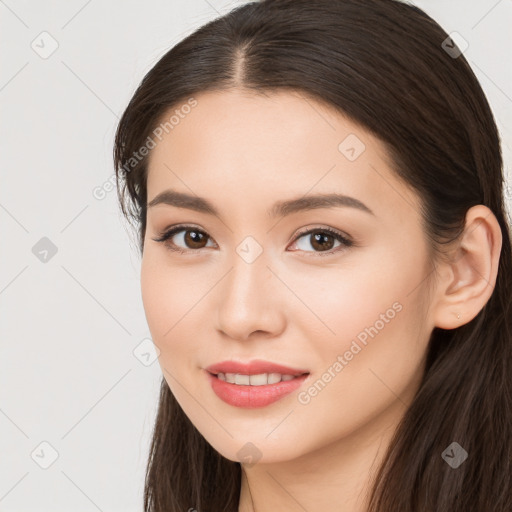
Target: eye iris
x=196, y=238
x=317, y=237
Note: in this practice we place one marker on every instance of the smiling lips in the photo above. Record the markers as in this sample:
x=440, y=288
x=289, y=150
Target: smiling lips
x=254, y=384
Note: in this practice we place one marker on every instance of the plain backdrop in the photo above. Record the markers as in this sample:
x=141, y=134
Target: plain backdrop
x=78, y=380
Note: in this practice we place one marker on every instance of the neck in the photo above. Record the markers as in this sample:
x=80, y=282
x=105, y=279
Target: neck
x=337, y=476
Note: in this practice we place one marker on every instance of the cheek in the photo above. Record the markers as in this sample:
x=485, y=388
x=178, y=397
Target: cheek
x=174, y=298
x=164, y=295
x=376, y=350
x=153, y=284
x=370, y=315
x=355, y=294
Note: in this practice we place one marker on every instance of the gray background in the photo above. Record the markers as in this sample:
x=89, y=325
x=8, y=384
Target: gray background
x=77, y=371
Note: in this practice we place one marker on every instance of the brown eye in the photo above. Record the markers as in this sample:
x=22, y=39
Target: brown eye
x=322, y=240
x=192, y=239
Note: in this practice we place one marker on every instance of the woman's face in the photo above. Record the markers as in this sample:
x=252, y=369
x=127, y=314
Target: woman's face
x=252, y=286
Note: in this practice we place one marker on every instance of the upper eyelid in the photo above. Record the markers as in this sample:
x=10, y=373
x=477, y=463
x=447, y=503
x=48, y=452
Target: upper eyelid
x=187, y=227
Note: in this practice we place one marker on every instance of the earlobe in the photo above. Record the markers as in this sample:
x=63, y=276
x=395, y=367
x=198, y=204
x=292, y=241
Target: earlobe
x=467, y=279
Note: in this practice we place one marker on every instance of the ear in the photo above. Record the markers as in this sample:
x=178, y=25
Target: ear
x=466, y=280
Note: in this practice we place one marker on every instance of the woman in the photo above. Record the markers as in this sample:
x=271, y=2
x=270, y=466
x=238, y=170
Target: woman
x=326, y=264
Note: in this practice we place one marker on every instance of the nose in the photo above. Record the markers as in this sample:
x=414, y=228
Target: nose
x=251, y=301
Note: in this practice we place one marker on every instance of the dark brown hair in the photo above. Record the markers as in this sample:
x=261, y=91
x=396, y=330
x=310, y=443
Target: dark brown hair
x=383, y=64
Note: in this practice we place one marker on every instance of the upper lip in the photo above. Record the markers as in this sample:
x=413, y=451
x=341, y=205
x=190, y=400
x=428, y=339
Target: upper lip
x=254, y=367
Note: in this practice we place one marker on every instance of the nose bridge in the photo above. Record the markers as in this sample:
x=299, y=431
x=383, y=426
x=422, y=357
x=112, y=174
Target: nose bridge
x=250, y=273
x=249, y=297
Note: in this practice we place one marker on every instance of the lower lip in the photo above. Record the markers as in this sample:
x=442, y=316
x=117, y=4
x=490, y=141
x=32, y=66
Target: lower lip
x=251, y=397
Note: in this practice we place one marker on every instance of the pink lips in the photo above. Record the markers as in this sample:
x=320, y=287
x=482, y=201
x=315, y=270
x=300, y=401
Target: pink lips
x=251, y=397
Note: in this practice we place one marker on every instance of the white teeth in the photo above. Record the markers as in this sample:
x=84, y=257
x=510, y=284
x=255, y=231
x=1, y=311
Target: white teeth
x=261, y=379
x=274, y=378
x=258, y=380
x=242, y=379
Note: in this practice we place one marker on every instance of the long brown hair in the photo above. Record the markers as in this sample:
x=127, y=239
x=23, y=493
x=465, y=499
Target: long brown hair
x=391, y=68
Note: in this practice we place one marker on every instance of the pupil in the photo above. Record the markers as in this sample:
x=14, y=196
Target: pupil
x=320, y=236
x=194, y=237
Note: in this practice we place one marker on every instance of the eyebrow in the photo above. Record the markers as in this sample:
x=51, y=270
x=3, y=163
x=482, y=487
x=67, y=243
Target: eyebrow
x=279, y=209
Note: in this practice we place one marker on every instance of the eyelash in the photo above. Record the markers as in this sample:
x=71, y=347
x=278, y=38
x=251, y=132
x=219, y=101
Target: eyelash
x=346, y=242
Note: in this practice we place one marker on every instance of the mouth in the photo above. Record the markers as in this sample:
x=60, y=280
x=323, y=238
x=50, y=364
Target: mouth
x=254, y=368
x=254, y=391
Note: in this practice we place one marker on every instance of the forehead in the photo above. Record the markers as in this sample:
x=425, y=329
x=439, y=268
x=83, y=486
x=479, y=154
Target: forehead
x=263, y=148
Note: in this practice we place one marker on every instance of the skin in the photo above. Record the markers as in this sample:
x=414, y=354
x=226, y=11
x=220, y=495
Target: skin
x=293, y=305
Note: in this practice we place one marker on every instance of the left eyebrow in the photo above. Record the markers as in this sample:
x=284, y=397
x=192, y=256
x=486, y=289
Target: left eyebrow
x=284, y=208
x=279, y=209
